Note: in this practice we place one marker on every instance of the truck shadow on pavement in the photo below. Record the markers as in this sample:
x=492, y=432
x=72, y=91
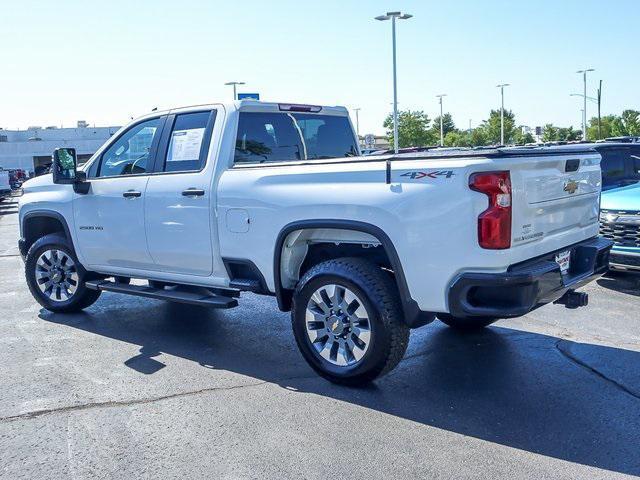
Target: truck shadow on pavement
x=628, y=283
x=572, y=401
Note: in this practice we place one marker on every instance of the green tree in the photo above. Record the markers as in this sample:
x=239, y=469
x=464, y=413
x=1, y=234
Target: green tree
x=491, y=127
x=413, y=129
x=479, y=137
x=606, y=127
x=615, y=125
x=447, y=125
x=628, y=123
x=550, y=133
x=569, y=134
x=521, y=138
x=457, y=138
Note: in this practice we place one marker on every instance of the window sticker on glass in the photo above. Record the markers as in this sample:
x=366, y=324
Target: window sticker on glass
x=185, y=145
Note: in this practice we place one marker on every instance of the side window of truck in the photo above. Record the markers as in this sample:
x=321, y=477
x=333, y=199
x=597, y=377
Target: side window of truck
x=189, y=142
x=129, y=154
x=281, y=137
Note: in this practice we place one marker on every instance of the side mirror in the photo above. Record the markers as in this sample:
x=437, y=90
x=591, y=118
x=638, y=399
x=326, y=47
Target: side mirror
x=64, y=165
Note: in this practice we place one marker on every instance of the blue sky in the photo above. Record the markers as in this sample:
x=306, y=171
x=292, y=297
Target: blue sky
x=107, y=61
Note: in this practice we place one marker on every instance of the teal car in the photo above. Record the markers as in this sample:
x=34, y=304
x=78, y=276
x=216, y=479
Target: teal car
x=620, y=222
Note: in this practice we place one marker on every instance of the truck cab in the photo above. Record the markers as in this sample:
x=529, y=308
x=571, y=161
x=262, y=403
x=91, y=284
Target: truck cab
x=151, y=189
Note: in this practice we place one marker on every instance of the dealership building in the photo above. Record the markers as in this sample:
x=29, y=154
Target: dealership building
x=31, y=149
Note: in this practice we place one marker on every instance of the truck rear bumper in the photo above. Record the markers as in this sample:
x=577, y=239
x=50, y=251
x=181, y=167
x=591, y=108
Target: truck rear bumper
x=528, y=285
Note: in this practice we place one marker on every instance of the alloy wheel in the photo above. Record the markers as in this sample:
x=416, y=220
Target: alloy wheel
x=338, y=325
x=56, y=275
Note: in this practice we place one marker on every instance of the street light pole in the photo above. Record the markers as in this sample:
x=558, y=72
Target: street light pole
x=357, y=110
x=441, y=124
x=599, y=102
x=584, y=94
x=235, y=95
x=501, y=87
x=392, y=16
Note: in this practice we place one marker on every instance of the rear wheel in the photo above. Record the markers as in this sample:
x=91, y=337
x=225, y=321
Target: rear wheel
x=467, y=323
x=55, y=277
x=347, y=321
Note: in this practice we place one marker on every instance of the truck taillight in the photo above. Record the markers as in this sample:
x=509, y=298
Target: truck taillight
x=494, y=224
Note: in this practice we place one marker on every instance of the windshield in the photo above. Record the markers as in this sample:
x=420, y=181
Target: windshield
x=281, y=137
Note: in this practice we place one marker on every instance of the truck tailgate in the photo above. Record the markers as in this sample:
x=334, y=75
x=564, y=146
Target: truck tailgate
x=555, y=196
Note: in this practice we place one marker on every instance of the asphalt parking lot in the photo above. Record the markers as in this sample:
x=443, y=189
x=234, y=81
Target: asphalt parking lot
x=136, y=388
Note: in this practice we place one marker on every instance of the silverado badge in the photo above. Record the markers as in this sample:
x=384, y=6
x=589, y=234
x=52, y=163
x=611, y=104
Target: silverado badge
x=571, y=186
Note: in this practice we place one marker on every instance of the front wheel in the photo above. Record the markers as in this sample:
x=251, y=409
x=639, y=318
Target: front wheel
x=348, y=322
x=55, y=277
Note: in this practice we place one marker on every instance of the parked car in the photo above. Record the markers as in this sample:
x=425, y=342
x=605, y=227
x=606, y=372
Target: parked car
x=620, y=222
x=620, y=163
x=5, y=185
x=16, y=178
x=207, y=202
x=624, y=139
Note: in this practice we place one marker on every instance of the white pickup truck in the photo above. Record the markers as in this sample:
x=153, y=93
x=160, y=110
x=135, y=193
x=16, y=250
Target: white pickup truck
x=205, y=202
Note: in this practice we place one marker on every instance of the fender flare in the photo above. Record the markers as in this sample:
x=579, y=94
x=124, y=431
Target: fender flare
x=413, y=316
x=44, y=213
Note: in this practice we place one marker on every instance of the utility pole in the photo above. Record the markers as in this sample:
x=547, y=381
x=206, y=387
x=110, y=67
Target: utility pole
x=392, y=16
x=501, y=87
x=357, y=110
x=441, y=125
x=599, y=102
x=584, y=95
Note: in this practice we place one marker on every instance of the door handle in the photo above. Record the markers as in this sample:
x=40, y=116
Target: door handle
x=131, y=194
x=193, y=192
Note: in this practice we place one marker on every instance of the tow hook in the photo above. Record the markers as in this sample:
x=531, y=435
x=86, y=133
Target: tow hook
x=573, y=299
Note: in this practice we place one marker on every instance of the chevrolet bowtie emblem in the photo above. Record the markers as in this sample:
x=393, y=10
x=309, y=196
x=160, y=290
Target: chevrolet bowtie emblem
x=571, y=186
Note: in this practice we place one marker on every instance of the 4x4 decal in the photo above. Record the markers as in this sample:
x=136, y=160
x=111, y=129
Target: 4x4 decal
x=433, y=174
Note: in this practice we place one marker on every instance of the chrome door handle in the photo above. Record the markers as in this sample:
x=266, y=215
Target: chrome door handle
x=131, y=194
x=193, y=192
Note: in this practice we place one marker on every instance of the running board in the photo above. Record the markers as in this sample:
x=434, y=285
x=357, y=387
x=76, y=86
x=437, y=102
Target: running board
x=172, y=295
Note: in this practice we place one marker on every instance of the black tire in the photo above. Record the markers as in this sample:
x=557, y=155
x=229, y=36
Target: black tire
x=466, y=324
x=379, y=296
x=81, y=298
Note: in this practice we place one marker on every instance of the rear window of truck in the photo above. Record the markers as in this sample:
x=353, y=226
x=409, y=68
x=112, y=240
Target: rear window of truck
x=280, y=137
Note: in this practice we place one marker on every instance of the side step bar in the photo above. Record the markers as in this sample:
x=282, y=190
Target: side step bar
x=173, y=295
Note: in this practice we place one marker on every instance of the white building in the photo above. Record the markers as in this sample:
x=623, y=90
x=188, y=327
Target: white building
x=31, y=149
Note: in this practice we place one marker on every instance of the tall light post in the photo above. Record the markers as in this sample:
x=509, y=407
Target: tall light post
x=235, y=95
x=584, y=111
x=583, y=117
x=392, y=16
x=441, y=125
x=501, y=87
x=357, y=110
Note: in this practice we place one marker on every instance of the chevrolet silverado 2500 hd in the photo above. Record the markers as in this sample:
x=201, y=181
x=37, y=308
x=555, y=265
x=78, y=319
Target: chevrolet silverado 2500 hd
x=206, y=202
